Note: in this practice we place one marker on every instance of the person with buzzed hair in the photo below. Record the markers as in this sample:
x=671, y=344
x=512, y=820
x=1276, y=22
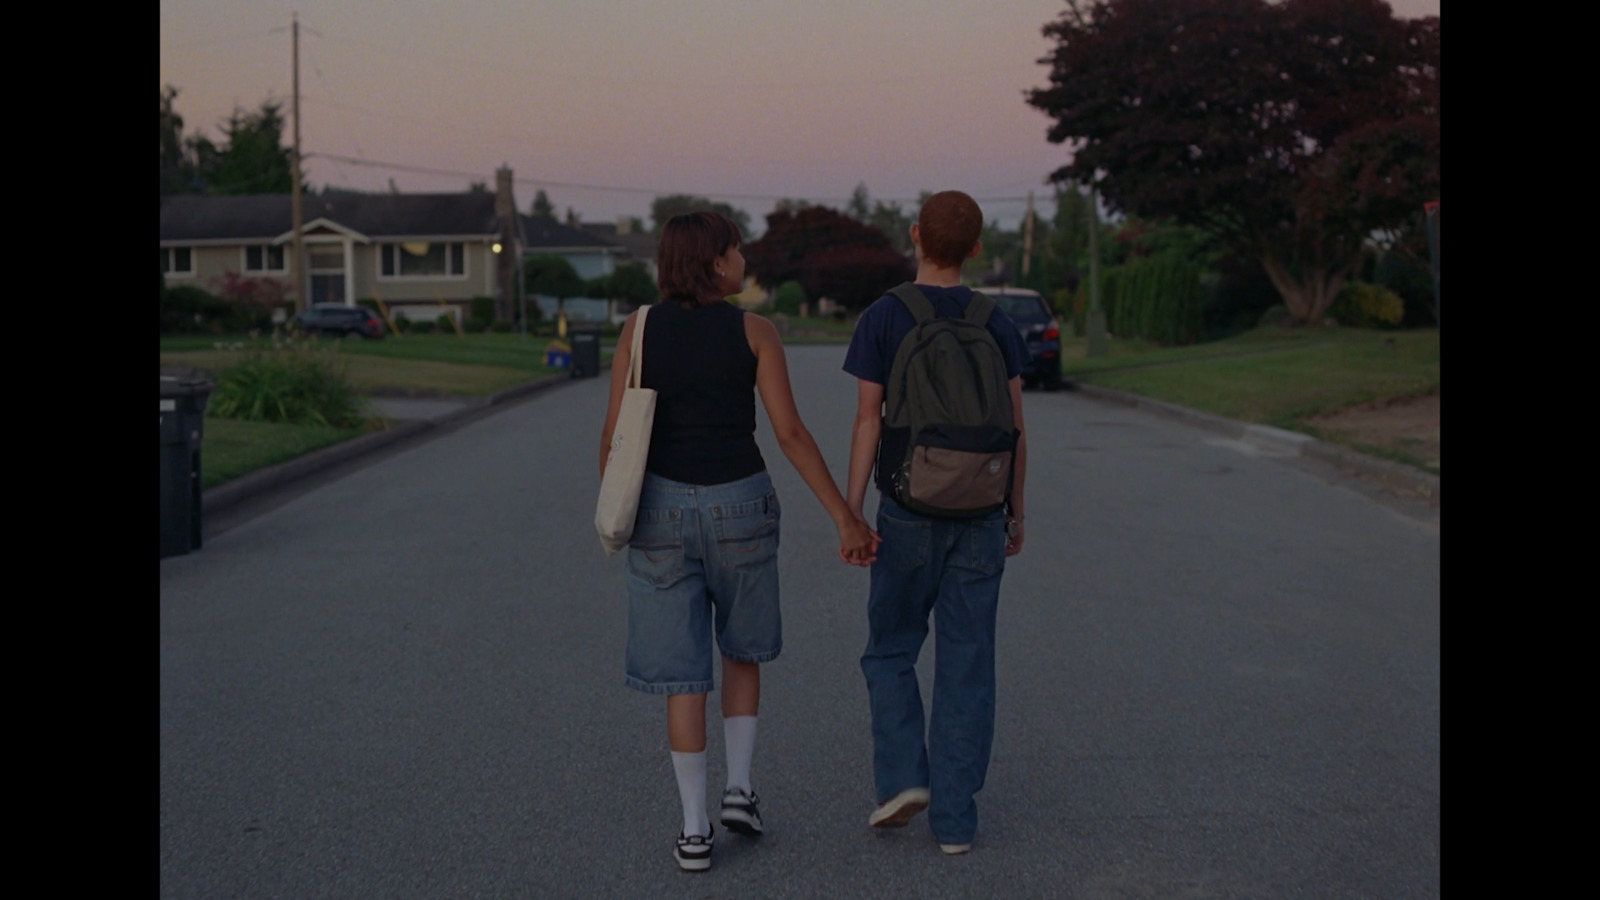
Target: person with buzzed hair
x=949, y=567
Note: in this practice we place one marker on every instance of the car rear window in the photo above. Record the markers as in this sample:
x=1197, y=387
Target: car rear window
x=1023, y=308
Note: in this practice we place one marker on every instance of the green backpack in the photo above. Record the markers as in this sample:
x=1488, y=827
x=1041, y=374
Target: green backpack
x=948, y=404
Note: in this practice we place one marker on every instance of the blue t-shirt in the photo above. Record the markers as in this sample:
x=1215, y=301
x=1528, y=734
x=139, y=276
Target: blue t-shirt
x=886, y=323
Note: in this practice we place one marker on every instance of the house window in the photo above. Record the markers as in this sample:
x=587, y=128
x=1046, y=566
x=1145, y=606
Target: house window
x=264, y=258
x=423, y=259
x=177, y=261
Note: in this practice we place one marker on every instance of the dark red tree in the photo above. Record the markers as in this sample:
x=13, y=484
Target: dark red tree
x=830, y=254
x=1294, y=130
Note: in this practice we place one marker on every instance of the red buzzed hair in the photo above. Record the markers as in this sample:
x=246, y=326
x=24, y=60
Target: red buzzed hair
x=949, y=223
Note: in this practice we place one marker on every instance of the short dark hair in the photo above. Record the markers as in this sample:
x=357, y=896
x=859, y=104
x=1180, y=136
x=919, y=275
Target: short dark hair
x=950, y=223
x=690, y=243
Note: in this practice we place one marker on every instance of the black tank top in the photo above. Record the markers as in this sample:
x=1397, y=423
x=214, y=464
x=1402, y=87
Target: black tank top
x=701, y=366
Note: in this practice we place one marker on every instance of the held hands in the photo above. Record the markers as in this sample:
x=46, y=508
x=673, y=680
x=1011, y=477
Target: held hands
x=1014, y=536
x=858, y=544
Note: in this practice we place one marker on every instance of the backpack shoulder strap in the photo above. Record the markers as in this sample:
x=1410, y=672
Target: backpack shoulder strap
x=979, y=308
x=915, y=301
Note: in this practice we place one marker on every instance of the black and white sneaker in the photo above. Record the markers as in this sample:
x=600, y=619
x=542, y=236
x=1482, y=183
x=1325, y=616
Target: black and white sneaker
x=694, y=852
x=741, y=812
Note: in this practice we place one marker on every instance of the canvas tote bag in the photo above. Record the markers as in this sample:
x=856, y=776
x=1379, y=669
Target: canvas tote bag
x=630, y=445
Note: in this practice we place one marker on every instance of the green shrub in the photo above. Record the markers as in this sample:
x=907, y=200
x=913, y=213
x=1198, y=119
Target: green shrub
x=482, y=314
x=187, y=309
x=1366, y=305
x=500, y=327
x=446, y=323
x=1275, y=317
x=420, y=326
x=295, y=384
x=1159, y=299
x=788, y=298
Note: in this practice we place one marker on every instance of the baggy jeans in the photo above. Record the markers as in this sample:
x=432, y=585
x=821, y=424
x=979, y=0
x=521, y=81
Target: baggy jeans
x=950, y=568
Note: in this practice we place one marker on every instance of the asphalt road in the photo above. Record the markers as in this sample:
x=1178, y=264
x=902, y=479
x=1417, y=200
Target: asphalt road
x=1219, y=677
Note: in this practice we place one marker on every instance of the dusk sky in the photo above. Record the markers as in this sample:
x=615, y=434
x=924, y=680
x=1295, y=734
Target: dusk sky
x=740, y=100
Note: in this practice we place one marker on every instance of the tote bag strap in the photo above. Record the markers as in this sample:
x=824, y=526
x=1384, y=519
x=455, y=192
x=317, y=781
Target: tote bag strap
x=636, y=355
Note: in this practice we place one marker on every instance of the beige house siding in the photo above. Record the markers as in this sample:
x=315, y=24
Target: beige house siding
x=479, y=280
x=363, y=280
x=209, y=265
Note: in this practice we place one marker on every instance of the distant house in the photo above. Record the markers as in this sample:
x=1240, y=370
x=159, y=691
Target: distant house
x=640, y=245
x=590, y=254
x=414, y=251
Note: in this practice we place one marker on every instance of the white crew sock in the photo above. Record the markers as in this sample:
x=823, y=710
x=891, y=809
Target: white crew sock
x=739, y=734
x=691, y=771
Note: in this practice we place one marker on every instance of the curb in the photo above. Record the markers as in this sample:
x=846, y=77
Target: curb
x=261, y=481
x=1391, y=474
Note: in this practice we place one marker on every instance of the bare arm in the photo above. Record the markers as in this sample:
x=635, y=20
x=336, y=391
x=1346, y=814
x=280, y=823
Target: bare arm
x=864, y=442
x=772, y=380
x=620, y=361
x=1019, y=475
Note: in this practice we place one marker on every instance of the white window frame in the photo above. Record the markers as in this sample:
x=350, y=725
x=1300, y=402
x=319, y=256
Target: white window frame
x=384, y=248
x=266, y=249
x=172, y=262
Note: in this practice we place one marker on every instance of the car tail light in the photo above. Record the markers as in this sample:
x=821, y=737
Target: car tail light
x=1052, y=334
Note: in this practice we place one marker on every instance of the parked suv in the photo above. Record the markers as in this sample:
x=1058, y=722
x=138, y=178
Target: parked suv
x=1040, y=330
x=338, y=320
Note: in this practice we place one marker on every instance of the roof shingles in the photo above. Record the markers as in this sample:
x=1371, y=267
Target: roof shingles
x=265, y=216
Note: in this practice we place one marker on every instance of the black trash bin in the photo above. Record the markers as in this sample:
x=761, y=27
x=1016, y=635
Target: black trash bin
x=585, y=340
x=183, y=407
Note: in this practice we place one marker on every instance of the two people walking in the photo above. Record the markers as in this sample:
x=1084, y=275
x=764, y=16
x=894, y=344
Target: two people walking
x=702, y=562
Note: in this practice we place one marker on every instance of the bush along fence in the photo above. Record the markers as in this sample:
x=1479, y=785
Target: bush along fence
x=1158, y=299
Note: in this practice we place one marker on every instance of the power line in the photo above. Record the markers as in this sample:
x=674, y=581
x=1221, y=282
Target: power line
x=544, y=182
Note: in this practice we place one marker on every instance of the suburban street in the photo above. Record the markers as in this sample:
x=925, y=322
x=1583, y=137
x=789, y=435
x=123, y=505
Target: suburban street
x=1218, y=677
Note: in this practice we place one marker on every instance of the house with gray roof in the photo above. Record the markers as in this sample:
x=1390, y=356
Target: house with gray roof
x=413, y=251
x=640, y=245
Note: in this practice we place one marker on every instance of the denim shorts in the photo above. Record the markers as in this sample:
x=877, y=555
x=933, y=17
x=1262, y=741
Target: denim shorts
x=703, y=560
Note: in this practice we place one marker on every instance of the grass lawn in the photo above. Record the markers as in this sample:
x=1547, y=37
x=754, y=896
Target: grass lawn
x=1277, y=376
x=474, y=365
x=230, y=448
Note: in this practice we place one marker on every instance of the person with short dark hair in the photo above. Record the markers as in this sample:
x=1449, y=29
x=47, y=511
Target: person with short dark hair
x=702, y=561
x=947, y=567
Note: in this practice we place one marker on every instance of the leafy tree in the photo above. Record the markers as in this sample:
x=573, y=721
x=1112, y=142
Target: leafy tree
x=859, y=207
x=542, y=205
x=178, y=172
x=1289, y=130
x=1069, y=239
x=253, y=158
x=664, y=208
x=894, y=222
x=552, y=276
x=788, y=298
x=828, y=253
x=629, y=282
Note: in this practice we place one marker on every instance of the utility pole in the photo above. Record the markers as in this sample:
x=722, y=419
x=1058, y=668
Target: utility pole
x=297, y=267
x=1027, y=238
x=1095, y=326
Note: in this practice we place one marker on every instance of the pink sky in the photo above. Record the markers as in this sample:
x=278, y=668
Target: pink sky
x=739, y=100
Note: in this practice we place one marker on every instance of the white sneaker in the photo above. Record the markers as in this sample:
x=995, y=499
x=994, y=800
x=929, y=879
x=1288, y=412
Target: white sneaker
x=955, y=849
x=741, y=812
x=694, y=852
x=900, y=808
